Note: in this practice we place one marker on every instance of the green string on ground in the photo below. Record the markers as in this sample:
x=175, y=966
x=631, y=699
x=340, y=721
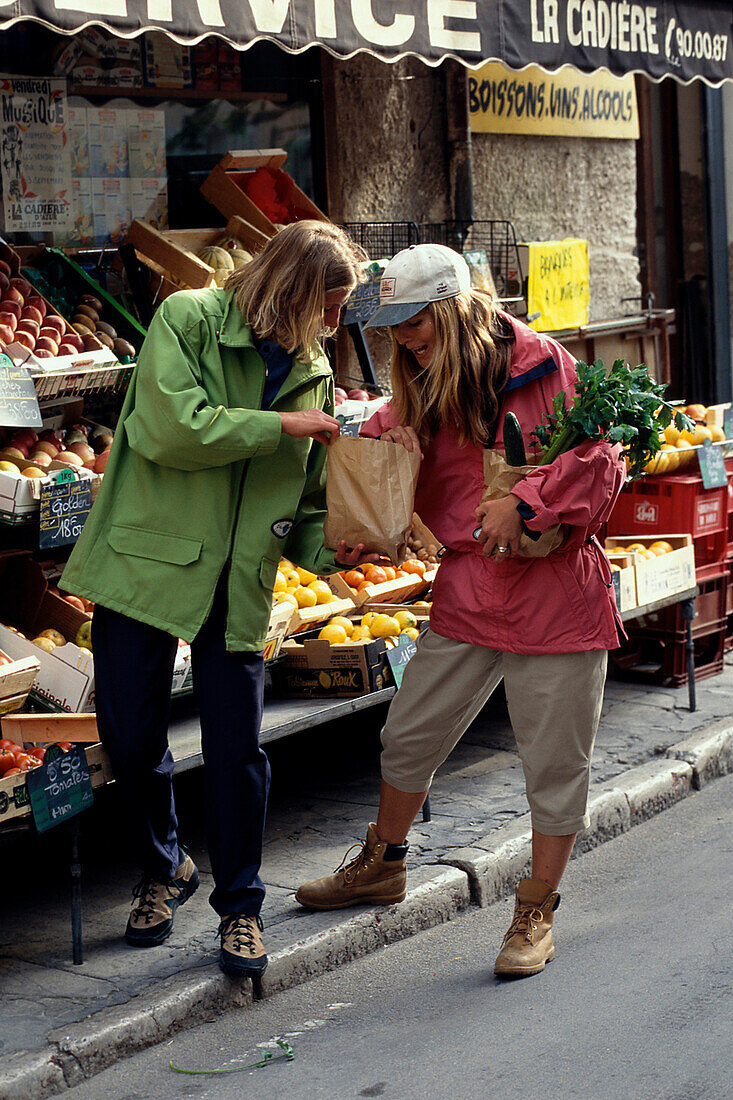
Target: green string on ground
x=286, y=1054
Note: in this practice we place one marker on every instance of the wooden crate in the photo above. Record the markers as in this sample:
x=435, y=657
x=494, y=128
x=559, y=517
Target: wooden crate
x=14, y=798
x=224, y=187
x=172, y=252
x=16, y=680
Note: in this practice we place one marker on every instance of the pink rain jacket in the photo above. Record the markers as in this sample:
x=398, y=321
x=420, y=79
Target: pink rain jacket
x=563, y=603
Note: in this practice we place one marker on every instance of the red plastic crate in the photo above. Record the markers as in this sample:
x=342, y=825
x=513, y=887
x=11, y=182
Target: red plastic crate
x=711, y=614
x=655, y=505
x=664, y=660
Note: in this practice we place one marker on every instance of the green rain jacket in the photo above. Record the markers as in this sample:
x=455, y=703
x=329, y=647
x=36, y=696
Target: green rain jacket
x=199, y=476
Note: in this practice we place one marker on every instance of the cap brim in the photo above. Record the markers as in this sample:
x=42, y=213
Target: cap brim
x=386, y=316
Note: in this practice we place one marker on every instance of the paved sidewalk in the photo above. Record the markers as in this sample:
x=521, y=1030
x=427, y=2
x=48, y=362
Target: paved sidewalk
x=60, y=1023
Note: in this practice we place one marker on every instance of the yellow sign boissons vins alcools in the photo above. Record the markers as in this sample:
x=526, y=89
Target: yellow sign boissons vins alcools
x=567, y=103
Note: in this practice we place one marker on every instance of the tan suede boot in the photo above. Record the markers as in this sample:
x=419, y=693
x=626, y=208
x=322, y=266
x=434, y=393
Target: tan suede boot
x=375, y=876
x=528, y=944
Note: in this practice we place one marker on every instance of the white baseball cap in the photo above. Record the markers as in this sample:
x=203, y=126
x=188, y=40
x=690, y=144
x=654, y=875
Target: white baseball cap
x=415, y=277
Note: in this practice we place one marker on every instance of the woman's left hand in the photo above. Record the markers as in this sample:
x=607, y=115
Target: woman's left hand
x=356, y=556
x=501, y=526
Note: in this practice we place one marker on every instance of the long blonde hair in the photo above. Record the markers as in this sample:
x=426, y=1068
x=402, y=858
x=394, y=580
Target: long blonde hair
x=281, y=292
x=468, y=370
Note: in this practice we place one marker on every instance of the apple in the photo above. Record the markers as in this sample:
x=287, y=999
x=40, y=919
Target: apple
x=71, y=338
x=55, y=635
x=51, y=332
x=84, y=635
x=25, y=324
x=70, y=457
x=75, y=602
x=45, y=343
x=12, y=294
x=65, y=348
x=33, y=471
x=5, y=268
x=102, y=441
x=100, y=463
x=6, y=334
x=9, y=468
x=45, y=446
x=13, y=452
x=9, y=319
x=4, y=282
x=9, y=305
x=22, y=286
x=40, y=458
x=83, y=450
x=339, y=390
x=50, y=435
x=30, y=313
x=44, y=643
x=43, y=353
x=26, y=339
x=38, y=303
x=357, y=395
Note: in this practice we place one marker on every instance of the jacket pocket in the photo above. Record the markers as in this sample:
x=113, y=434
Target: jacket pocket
x=157, y=545
x=268, y=569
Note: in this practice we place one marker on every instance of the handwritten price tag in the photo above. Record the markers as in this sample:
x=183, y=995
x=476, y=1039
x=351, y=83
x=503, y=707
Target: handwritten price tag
x=65, y=506
x=18, y=401
x=60, y=788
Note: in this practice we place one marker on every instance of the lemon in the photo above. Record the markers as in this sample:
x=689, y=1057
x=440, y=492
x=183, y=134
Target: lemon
x=405, y=619
x=361, y=634
x=412, y=632
x=305, y=597
x=341, y=620
x=322, y=591
x=285, y=597
x=384, y=626
x=671, y=434
x=333, y=633
x=292, y=578
x=304, y=576
x=368, y=618
x=281, y=583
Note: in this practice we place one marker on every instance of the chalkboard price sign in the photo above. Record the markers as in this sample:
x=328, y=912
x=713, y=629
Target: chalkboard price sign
x=728, y=423
x=60, y=788
x=65, y=505
x=399, y=656
x=712, y=465
x=364, y=301
x=18, y=401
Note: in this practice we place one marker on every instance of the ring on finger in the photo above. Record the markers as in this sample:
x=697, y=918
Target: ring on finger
x=503, y=549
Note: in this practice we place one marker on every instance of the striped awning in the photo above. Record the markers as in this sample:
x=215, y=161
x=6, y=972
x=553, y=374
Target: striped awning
x=684, y=39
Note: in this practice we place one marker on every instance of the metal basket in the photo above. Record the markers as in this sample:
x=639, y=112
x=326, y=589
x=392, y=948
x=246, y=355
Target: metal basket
x=381, y=240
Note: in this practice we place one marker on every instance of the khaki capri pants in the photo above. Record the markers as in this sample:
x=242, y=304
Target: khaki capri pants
x=554, y=703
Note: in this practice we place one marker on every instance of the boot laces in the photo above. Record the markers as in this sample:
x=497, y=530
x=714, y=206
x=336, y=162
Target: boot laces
x=148, y=892
x=243, y=930
x=363, y=858
x=526, y=920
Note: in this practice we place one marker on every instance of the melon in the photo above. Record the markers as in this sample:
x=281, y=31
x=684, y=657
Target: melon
x=240, y=256
x=218, y=258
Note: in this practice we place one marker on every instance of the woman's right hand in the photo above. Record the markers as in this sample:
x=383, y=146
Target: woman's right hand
x=311, y=422
x=405, y=436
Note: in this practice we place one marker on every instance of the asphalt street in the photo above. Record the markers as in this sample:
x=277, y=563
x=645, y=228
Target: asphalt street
x=637, y=1004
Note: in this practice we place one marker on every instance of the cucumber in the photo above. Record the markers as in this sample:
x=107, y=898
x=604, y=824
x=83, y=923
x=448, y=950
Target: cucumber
x=513, y=441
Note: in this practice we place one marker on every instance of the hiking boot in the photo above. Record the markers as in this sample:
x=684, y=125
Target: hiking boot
x=528, y=944
x=151, y=919
x=375, y=876
x=242, y=953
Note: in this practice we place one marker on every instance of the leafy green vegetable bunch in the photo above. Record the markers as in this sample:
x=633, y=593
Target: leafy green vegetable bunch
x=624, y=405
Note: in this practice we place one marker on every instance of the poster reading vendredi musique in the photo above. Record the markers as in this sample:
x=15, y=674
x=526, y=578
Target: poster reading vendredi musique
x=36, y=169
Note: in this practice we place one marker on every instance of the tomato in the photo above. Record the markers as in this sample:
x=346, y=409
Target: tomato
x=7, y=761
x=65, y=746
x=24, y=761
x=10, y=746
x=13, y=771
x=38, y=751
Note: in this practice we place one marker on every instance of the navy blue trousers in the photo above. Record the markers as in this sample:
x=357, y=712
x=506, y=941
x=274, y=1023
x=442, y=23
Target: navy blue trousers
x=133, y=666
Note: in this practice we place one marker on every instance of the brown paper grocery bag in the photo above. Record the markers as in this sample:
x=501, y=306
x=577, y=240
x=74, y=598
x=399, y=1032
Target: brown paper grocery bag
x=499, y=480
x=370, y=495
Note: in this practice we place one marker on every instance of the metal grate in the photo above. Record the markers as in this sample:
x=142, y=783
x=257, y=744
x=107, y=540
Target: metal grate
x=381, y=240
x=498, y=240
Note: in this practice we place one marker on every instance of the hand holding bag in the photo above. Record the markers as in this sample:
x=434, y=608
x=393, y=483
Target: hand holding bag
x=499, y=480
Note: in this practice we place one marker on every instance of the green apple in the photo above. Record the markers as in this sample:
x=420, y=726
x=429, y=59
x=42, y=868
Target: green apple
x=84, y=635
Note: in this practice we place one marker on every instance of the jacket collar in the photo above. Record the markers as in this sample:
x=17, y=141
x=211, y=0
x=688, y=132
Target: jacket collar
x=235, y=332
x=533, y=357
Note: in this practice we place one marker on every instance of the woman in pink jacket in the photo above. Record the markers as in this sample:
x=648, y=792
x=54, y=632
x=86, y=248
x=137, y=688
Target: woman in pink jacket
x=544, y=625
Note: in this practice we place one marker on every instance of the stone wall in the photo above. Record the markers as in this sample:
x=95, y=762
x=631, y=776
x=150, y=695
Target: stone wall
x=553, y=187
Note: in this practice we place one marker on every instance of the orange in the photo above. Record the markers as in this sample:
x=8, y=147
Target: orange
x=414, y=565
x=333, y=634
x=390, y=572
x=376, y=575
x=649, y=555
x=661, y=547
x=697, y=412
x=636, y=548
x=353, y=577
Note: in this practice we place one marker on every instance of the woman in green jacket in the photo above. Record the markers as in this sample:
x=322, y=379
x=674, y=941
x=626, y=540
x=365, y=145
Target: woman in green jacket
x=216, y=472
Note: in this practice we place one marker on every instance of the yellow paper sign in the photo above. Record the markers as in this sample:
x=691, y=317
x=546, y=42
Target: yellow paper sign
x=567, y=103
x=558, y=293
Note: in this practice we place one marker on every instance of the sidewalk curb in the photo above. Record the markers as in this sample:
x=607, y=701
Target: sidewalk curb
x=478, y=874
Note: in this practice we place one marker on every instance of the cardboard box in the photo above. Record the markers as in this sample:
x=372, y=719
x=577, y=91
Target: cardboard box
x=280, y=618
x=14, y=799
x=65, y=677
x=172, y=252
x=305, y=618
x=20, y=496
x=225, y=187
x=624, y=579
x=313, y=668
x=662, y=576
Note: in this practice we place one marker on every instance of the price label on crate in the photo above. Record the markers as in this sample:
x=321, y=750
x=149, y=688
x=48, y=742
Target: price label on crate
x=65, y=505
x=399, y=656
x=350, y=424
x=18, y=400
x=712, y=465
x=364, y=301
x=728, y=423
x=60, y=788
